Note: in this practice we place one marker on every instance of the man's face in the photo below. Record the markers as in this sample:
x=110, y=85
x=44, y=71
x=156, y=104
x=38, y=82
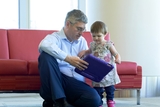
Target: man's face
x=75, y=30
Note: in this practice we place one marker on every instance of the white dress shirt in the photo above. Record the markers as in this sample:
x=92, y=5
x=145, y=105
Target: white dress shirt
x=58, y=46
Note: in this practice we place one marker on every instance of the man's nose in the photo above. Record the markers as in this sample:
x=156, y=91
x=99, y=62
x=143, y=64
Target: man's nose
x=80, y=33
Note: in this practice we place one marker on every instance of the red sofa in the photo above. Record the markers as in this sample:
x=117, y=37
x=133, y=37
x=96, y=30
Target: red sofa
x=19, y=66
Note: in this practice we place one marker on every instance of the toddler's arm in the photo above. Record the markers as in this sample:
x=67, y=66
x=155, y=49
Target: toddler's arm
x=115, y=54
x=81, y=54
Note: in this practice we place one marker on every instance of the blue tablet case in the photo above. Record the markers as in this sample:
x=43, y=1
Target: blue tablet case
x=97, y=68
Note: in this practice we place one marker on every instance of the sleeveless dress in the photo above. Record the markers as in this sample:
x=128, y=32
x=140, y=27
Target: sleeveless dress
x=102, y=51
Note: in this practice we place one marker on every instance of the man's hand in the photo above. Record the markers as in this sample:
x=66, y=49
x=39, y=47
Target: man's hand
x=76, y=62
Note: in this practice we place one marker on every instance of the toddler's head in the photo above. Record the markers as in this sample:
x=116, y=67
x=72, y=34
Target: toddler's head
x=99, y=27
x=98, y=31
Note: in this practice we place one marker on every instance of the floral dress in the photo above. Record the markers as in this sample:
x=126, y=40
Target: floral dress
x=102, y=51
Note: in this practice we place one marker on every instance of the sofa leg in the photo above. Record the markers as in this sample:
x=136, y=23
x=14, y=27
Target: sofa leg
x=138, y=96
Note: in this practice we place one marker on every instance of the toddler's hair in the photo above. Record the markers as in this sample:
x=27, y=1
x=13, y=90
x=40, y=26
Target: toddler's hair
x=99, y=27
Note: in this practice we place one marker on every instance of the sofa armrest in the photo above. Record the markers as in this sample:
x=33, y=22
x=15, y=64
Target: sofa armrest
x=127, y=68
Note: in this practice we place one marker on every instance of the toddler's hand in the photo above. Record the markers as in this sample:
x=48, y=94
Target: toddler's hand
x=118, y=61
x=82, y=54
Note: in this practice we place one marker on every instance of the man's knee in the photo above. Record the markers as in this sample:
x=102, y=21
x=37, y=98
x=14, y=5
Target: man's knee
x=45, y=56
x=95, y=98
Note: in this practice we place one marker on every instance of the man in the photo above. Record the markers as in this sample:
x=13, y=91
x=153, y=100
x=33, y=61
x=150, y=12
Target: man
x=61, y=86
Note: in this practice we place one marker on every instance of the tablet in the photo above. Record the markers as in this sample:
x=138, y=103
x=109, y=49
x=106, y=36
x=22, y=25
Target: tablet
x=97, y=68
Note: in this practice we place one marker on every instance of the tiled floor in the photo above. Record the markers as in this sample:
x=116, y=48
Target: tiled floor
x=20, y=100
x=34, y=100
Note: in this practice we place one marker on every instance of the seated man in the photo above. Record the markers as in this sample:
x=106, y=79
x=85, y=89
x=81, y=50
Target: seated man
x=61, y=86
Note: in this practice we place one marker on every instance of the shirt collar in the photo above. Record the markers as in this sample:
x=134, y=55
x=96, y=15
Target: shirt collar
x=63, y=36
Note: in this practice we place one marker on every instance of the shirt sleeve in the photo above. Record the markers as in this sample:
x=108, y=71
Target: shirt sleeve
x=92, y=46
x=50, y=45
x=109, y=44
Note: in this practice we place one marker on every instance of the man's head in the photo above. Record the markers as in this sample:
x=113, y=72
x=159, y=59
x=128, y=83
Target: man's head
x=76, y=16
x=75, y=24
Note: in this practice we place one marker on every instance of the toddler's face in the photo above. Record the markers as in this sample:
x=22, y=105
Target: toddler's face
x=98, y=37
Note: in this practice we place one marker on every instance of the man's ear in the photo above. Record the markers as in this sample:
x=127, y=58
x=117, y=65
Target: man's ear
x=68, y=23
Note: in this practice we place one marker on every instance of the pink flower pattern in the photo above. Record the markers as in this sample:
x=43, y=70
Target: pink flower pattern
x=107, y=58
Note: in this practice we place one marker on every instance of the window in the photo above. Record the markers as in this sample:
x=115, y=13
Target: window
x=50, y=14
x=35, y=14
x=9, y=14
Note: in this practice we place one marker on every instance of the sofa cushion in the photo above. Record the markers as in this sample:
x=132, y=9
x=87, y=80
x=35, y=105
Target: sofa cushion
x=88, y=37
x=26, y=42
x=13, y=67
x=127, y=68
x=4, y=54
x=130, y=81
x=33, y=67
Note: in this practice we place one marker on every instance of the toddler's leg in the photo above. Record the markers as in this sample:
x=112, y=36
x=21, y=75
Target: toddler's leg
x=110, y=95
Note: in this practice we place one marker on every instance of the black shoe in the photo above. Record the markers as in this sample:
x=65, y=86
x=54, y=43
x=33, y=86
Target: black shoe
x=66, y=104
x=62, y=104
x=47, y=104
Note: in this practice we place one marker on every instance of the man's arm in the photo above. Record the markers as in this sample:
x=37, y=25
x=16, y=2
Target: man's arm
x=76, y=62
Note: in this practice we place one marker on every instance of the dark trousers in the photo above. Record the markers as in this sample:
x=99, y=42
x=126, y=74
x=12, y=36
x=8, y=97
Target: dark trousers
x=55, y=85
x=108, y=90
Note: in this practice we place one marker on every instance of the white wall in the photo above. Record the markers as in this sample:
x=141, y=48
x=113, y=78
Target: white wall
x=134, y=26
